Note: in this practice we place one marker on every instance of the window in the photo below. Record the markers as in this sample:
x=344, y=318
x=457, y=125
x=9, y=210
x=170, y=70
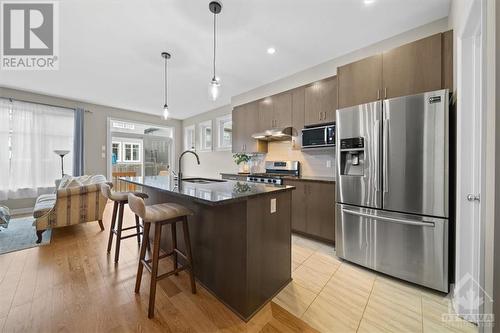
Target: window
x=116, y=151
x=224, y=132
x=189, y=138
x=131, y=152
x=29, y=134
x=206, y=135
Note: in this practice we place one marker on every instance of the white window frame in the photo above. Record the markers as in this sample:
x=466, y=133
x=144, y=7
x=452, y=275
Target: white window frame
x=220, y=121
x=202, y=128
x=125, y=143
x=119, y=143
x=193, y=137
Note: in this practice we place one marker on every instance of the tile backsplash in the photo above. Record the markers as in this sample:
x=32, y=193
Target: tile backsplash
x=312, y=163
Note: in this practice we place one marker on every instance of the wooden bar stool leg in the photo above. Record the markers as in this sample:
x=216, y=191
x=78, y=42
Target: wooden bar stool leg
x=138, y=228
x=189, y=255
x=119, y=232
x=113, y=222
x=142, y=256
x=174, y=244
x=154, y=270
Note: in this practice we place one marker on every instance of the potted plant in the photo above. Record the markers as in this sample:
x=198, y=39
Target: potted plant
x=242, y=161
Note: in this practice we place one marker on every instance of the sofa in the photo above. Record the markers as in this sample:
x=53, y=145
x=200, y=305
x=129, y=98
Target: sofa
x=77, y=200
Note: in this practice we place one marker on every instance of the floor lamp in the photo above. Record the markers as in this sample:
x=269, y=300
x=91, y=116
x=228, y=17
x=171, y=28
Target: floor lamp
x=62, y=153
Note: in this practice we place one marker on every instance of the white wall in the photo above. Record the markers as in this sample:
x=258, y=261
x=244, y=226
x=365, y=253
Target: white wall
x=214, y=162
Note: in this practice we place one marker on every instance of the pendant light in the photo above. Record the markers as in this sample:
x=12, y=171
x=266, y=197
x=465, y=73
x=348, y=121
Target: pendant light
x=166, y=56
x=215, y=7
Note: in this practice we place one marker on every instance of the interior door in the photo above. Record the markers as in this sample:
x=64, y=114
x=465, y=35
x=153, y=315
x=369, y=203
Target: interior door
x=415, y=145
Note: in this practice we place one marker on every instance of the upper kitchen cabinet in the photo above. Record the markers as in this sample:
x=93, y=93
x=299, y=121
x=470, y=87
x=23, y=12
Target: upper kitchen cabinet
x=244, y=125
x=275, y=111
x=360, y=82
x=321, y=101
x=298, y=114
x=413, y=68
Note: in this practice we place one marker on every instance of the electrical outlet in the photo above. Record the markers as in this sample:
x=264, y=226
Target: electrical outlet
x=103, y=148
x=328, y=163
x=273, y=205
x=103, y=155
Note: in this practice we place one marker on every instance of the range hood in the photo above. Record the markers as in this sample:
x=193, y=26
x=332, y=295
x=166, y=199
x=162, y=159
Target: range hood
x=275, y=134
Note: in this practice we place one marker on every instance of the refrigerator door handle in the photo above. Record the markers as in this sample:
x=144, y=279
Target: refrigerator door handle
x=390, y=219
x=385, y=154
x=378, y=178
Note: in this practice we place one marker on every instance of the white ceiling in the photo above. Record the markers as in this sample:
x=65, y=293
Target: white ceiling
x=110, y=50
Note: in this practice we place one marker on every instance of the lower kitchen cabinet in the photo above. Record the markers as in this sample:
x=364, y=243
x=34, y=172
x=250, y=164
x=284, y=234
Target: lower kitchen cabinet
x=313, y=209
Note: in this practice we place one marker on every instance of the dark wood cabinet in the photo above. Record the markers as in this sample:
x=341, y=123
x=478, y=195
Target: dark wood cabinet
x=275, y=111
x=313, y=209
x=321, y=101
x=413, y=68
x=244, y=125
x=360, y=82
x=298, y=114
x=321, y=210
x=417, y=67
x=282, y=110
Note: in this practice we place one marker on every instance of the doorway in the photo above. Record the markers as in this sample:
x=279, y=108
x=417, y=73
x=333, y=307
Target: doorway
x=138, y=149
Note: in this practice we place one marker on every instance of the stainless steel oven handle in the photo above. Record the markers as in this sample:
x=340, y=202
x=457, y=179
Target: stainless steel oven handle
x=389, y=219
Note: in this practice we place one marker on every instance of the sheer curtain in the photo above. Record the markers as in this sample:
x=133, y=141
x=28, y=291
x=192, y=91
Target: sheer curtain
x=36, y=131
x=5, y=106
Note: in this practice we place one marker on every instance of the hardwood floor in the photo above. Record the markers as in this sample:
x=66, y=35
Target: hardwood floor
x=73, y=285
x=333, y=295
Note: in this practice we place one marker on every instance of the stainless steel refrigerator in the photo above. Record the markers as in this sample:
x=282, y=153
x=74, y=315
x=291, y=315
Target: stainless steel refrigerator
x=392, y=187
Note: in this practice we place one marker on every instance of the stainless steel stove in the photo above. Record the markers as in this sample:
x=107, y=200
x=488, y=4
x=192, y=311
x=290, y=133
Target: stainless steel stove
x=275, y=172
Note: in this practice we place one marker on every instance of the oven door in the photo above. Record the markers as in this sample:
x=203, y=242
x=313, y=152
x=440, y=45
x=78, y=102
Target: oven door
x=314, y=137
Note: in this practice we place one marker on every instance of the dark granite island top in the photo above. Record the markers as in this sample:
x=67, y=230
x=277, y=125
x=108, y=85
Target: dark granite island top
x=240, y=237
x=215, y=193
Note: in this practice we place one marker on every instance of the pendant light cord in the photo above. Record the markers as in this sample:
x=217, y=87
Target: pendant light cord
x=215, y=42
x=165, y=82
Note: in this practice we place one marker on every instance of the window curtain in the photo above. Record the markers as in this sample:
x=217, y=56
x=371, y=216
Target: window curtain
x=36, y=131
x=78, y=151
x=5, y=106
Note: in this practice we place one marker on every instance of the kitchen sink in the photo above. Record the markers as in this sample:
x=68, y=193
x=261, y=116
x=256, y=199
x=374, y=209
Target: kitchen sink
x=202, y=180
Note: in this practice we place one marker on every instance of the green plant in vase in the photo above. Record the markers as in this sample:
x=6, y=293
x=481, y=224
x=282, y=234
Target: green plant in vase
x=242, y=161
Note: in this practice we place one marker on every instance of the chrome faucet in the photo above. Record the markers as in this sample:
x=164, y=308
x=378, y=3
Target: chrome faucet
x=179, y=175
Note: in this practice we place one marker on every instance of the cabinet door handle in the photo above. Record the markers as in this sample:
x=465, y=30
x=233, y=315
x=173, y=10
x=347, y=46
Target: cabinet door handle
x=378, y=93
x=385, y=92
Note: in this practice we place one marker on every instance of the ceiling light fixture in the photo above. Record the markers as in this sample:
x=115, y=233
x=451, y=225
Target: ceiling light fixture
x=271, y=50
x=368, y=2
x=215, y=7
x=166, y=56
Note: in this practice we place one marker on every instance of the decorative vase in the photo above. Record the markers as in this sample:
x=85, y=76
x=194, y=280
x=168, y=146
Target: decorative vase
x=243, y=167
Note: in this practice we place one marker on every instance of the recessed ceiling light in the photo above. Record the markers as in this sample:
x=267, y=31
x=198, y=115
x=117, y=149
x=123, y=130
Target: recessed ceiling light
x=368, y=2
x=271, y=50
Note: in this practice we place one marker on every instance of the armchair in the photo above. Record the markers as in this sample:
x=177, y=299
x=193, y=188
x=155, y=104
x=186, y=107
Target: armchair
x=72, y=205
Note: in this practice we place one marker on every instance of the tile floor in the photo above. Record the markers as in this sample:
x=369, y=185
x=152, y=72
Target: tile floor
x=332, y=295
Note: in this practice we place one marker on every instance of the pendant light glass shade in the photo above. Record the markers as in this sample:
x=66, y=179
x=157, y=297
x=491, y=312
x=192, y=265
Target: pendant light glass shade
x=214, y=88
x=165, y=112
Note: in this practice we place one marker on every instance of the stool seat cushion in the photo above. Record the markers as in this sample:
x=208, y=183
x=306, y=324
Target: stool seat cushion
x=166, y=211
x=44, y=203
x=119, y=196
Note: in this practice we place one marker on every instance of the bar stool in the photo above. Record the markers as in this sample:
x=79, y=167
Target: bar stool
x=120, y=200
x=160, y=215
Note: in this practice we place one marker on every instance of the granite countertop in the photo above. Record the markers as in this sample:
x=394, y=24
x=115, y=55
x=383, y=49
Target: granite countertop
x=303, y=178
x=216, y=193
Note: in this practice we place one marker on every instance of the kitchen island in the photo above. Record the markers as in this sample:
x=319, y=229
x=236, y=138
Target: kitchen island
x=240, y=236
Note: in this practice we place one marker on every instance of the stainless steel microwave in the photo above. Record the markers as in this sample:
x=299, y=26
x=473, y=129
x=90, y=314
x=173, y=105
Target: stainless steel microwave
x=318, y=137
